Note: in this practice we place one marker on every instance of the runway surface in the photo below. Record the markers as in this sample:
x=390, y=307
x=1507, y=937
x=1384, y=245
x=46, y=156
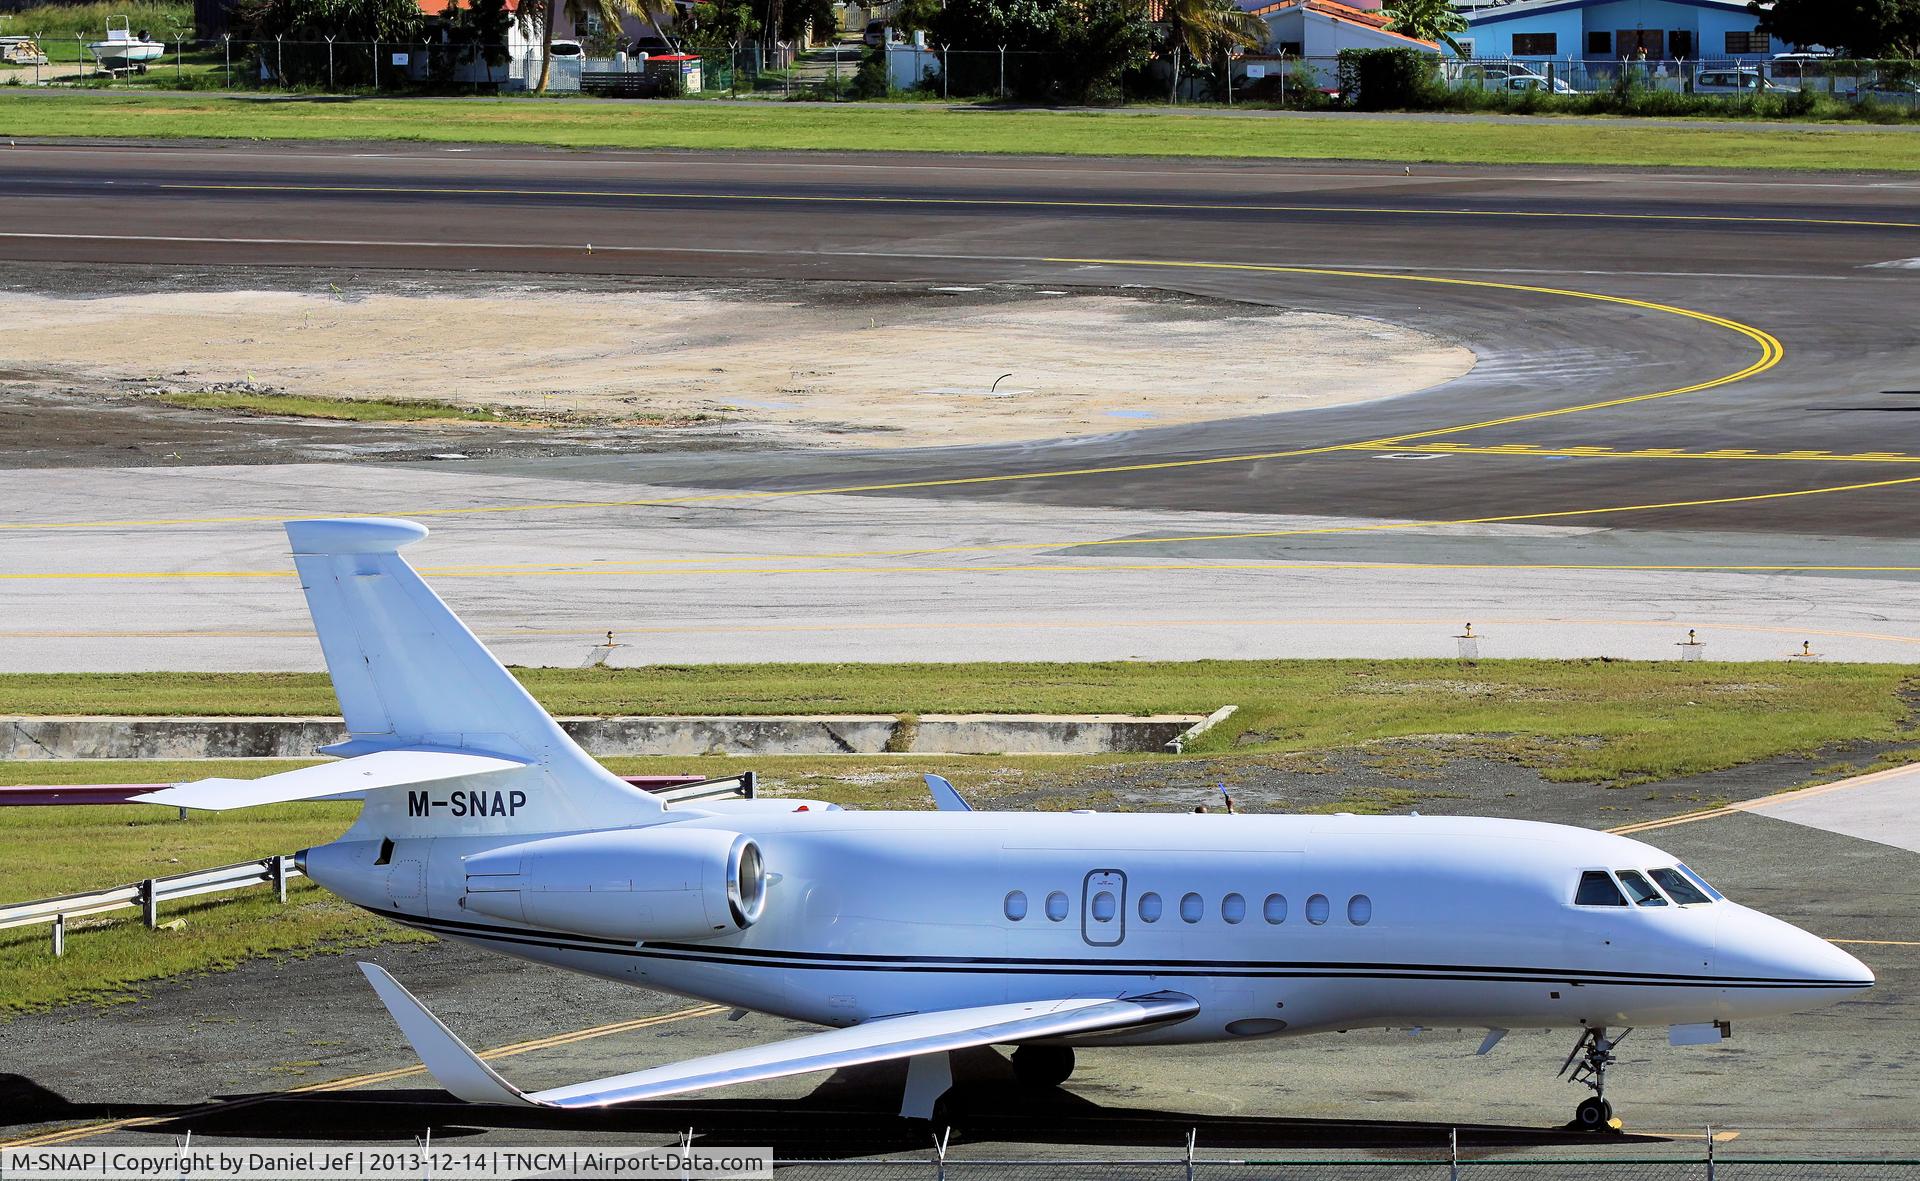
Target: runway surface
x=1695, y=406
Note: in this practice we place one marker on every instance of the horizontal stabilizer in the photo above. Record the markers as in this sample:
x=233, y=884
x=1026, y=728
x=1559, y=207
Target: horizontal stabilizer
x=391, y=768
x=462, y=1073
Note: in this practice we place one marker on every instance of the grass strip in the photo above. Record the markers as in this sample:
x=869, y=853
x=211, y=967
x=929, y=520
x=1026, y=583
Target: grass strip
x=1597, y=720
x=344, y=409
x=921, y=128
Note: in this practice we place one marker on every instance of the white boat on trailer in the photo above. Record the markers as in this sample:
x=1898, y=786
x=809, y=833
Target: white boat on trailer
x=123, y=49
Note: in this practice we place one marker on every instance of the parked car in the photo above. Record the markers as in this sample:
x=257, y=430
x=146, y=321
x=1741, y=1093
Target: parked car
x=651, y=46
x=1491, y=74
x=1744, y=80
x=567, y=49
x=876, y=35
x=1521, y=83
x=1906, y=94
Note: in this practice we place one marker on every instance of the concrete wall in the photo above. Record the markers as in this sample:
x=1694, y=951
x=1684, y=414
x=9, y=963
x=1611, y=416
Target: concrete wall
x=288, y=738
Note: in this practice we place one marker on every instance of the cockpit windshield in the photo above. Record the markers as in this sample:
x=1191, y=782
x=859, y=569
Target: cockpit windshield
x=1639, y=888
x=1701, y=882
x=1597, y=889
x=1680, y=888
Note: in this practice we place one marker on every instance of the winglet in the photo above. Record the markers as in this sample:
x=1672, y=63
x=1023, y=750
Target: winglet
x=945, y=798
x=447, y=1058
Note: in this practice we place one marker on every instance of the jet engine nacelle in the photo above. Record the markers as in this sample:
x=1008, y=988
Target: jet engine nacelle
x=665, y=883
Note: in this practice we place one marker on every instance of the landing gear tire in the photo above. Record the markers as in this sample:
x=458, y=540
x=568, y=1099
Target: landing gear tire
x=1587, y=1065
x=1594, y=1115
x=1043, y=1066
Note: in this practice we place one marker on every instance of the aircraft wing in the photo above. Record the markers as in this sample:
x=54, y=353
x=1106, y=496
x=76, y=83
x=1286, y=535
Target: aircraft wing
x=461, y=1072
x=945, y=797
x=388, y=768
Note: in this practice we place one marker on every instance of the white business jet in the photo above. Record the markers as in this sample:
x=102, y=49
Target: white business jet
x=916, y=934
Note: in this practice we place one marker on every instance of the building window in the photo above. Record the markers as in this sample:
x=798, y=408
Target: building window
x=1599, y=43
x=1744, y=42
x=1057, y=906
x=1318, y=909
x=1233, y=908
x=1359, y=910
x=1536, y=44
x=1191, y=908
x=1680, y=43
x=1016, y=907
x=1149, y=907
x=1275, y=909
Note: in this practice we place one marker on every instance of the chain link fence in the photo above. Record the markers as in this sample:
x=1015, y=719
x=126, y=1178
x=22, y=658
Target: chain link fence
x=846, y=71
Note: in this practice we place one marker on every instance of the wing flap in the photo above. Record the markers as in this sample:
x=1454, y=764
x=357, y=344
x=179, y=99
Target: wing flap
x=391, y=768
x=464, y=1075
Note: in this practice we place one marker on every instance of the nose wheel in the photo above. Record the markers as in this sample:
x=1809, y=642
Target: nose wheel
x=1587, y=1065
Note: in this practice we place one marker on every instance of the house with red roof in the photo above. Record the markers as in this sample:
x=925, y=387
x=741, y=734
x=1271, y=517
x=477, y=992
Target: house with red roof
x=1322, y=28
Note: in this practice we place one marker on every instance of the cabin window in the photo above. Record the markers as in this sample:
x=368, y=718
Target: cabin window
x=1233, y=908
x=1640, y=888
x=1318, y=908
x=1104, y=906
x=1679, y=888
x=1597, y=889
x=1275, y=909
x=1057, y=906
x=1359, y=910
x=1150, y=907
x=1191, y=908
x=1016, y=905
x=1701, y=882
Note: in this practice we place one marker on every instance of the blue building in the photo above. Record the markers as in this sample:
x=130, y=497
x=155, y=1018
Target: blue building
x=1617, y=30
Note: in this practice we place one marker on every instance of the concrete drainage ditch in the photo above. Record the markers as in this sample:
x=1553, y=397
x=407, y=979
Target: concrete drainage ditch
x=40, y=738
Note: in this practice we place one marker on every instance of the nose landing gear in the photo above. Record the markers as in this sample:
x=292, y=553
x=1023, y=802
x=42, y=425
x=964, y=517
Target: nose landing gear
x=1587, y=1064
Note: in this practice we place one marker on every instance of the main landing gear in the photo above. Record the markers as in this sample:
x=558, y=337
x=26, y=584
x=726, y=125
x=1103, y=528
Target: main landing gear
x=1588, y=1063
x=1043, y=1066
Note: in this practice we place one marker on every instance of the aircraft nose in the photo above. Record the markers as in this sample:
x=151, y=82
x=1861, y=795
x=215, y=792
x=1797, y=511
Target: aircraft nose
x=1757, y=945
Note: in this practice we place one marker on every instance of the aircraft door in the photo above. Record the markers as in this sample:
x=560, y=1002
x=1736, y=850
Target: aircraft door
x=1103, y=908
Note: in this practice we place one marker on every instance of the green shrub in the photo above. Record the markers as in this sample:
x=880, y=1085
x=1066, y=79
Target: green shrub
x=1386, y=79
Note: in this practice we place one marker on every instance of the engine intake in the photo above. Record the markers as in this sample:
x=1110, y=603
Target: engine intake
x=665, y=883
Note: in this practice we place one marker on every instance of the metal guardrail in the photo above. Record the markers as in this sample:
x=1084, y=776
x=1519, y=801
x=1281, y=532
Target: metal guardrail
x=148, y=895
x=278, y=870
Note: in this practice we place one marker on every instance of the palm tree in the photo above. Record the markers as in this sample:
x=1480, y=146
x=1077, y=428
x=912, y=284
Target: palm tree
x=1427, y=20
x=611, y=13
x=1200, y=27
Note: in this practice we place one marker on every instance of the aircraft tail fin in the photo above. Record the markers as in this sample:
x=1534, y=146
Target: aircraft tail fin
x=409, y=676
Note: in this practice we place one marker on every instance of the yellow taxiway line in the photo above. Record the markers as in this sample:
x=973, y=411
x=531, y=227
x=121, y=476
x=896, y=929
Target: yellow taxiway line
x=88, y=1131
x=1771, y=352
x=721, y=564
x=1760, y=802
x=1550, y=451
